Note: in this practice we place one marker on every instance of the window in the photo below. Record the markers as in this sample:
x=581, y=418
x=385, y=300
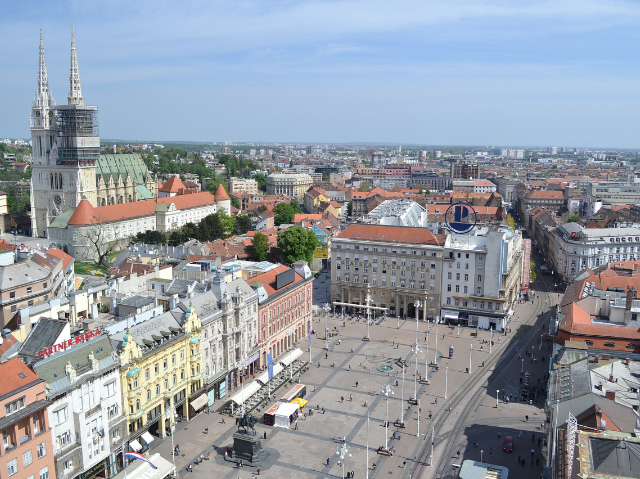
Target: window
x=609, y=345
x=44, y=473
x=457, y=288
x=148, y=394
x=42, y=449
x=457, y=302
x=36, y=424
x=449, y=300
x=475, y=303
x=12, y=466
x=157, y=368
x=157, y=390
x=489, y=305
x=466, y=277
x=110, y=388
x=146, y=373
x=457, y=276
x=14, y=406
x=60, y=415
x=164, y=363
x=27, y=458
x=448, y=287
x=479, y=277
x=449, y=275
x=481, y=304
x=630, y=346
x=12, y=294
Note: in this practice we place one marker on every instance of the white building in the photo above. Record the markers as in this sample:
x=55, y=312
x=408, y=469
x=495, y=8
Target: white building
x=401, y=212
x=481, y=276
x=573, y=249
x=87, y=425
x=473, y=186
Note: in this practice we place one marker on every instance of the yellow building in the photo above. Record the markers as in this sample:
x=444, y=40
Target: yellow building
x=161, y=372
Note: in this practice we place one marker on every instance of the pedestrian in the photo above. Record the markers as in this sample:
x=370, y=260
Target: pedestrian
x=356, y=383
x=258, y=471
x=539, y=441
x=520, y=434
x=526, y=418
x=436, y=401
x=449, y=406
x=475, y=444
x=189, y=468
x=208, y=410
x=532, y=452
x=265, y=435
x=322, y=410
x=350, y=397
x=404, y=464
x=341, y=398
x=430, y=415
x=349, y=367
x=327, y=461
x=519, y=459
x=458, y=453
x=326, y=355
x=490, y=452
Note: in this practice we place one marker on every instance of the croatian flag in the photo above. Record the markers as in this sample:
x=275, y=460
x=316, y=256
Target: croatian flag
x=135, y=455
x=101, y=433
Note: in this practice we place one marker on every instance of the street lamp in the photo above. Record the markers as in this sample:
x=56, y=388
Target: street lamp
x=418, y=305
x=290, y=333
x=402, y=398
x=540, y=347
x=435, y=356
x=522, y=366
x=446, y=381
x=368, y=300
x=416, y=350
x=426, y=357
x=490, y=338
x=481, y=453
x=171, y=413
x=418, y=431
x=326, y=308
x=386, y=390
x=398, y=321
x=342, y=453
x=470, y=351
x=497, y=395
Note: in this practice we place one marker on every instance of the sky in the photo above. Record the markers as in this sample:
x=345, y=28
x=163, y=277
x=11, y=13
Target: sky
x=449, y=72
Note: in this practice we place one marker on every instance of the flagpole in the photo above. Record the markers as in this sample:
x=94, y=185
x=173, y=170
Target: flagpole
x=124, y=466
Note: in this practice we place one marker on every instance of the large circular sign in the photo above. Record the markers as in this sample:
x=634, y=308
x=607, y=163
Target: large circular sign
x=460, y=218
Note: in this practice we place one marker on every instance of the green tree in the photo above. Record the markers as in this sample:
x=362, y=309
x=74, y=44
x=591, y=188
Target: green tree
x=243, y=224
x=295, y=205
x=350, y=208
x=365, y=186
x=532, y=271
x=212, y=227
x=573, y=219
x=150, y=237
x=262, y=181
x=235, y=201
x=283, y=214
x=214, y=181
x=297, y=243
x=511, y=222
x=260, y=245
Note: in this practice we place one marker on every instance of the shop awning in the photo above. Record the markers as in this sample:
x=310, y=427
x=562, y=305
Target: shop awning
x=451, y=315
x=139, y=469
x=148, y=438
x=240, y=396
x=264, y=377
x=289, y=357
x=200, y=402
x=135, y=445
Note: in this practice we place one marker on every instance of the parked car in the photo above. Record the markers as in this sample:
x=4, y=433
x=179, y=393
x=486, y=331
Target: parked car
x=507, y=445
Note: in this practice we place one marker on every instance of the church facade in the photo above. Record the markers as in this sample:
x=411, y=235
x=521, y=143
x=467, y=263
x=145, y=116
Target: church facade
x=67, y=166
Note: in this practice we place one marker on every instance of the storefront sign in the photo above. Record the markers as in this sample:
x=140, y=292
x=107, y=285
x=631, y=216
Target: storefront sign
x=322, y=253
x=64, y=345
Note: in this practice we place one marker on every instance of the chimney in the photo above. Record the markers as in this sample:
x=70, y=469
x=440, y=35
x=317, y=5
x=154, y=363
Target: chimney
x=610, y=395
x=631, y=294
x=606, y=357
x=627, y=361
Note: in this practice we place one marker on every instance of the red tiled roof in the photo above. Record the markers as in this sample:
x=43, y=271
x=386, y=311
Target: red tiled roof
x=221, y=193
x=546, y=195
x=172, y=185
x=298, y=217
x=58, y=253
x=268, y=279
x=392, y=234
x=85, y=214
x=11, y=380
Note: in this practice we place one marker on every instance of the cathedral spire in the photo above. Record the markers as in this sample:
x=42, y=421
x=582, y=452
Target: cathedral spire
x=75, y=90
x=43, y=94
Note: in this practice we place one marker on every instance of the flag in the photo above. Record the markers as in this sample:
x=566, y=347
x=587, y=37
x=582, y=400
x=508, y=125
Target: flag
x=135, y=455
x=101, y=433
x=270, y=365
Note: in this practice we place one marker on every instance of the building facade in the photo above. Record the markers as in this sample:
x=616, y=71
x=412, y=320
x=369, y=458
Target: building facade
x=161, y=367
x=284, y=308
x=87, y=425
x=481, y=277
x=244, y=185
x=292, y=185
x=573, y=249
x=27, y=449
x=397, y=265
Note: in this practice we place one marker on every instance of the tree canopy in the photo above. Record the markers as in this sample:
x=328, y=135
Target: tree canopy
x=243, y=224
x=260, y=244
x=283, y=214
x=297, y=243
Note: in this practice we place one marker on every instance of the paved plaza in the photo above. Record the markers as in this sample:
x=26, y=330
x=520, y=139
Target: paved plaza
x=303, y=453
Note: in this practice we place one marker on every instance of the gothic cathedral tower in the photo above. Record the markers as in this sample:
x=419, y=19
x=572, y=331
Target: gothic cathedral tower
x=65, y=148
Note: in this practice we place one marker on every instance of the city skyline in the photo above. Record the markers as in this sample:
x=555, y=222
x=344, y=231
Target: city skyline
x=540, y=73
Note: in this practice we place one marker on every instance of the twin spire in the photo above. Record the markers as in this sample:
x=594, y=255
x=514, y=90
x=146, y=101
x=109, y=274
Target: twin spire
x=44, y=98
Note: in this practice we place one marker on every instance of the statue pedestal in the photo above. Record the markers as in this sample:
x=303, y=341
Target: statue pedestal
x=248, y=449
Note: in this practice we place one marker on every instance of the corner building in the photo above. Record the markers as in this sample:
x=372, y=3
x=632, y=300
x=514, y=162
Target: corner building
x=398, y=265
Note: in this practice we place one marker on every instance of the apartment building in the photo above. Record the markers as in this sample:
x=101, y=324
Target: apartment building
x=397, y=265
x=481, y=277
x=573, y=248
x=244, y=185
x=27, y=450
x=86, y=417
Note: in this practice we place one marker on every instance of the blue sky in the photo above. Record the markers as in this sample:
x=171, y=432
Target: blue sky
x=463, y=72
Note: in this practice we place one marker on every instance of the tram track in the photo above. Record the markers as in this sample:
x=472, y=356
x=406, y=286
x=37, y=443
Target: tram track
x=500, y=362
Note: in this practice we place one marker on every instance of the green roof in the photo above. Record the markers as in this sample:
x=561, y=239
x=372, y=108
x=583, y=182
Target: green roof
x=62, y=219
x=144, y=193
x=120, y=165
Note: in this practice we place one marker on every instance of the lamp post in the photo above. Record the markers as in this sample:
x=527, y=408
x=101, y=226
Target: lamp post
x=398, y=321
x=540, y=347
x=418, y=431
x=416, y=349
x=497, y=395
x=342, y=453
x=522, y=366
x=426, y=357
x=417, y=305
x=490, y=339
x=446, y=381
x=290, y=333
x=326, y=308
x=402, y=399
x=481, y=453
x=386, y=390
x=433, y=440
x=366, y=468
x=171, y=412
x=368, y=300
x=435, y=355
x=470, y=351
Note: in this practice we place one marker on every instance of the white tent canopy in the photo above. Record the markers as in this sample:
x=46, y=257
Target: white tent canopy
x=284, y=412
x=141, y=470
x=289, y=357
x=264, y=377
x=241, y=396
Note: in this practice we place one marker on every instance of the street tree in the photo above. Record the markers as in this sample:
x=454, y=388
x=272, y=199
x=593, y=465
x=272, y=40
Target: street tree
x=260, y=244
x=243, y=224
x=283, y=214
x=297, y=243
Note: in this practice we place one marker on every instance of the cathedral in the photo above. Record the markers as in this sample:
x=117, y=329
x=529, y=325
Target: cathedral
x=67, y=166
